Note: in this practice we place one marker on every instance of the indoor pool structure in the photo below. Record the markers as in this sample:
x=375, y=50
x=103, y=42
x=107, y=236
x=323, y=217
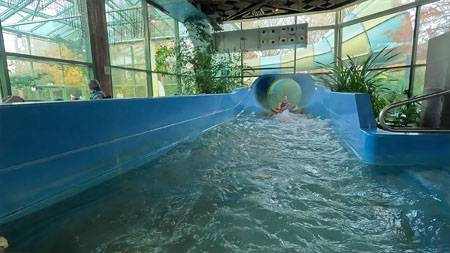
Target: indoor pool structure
x=224, y=126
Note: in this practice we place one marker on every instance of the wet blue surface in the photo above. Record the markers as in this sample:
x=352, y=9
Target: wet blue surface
x=51, y=151
x=258, y=184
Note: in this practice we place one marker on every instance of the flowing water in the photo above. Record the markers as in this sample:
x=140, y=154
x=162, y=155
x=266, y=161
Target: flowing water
x=282, y=184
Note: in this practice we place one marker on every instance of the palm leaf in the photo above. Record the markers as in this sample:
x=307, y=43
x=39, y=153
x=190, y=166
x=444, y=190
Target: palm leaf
x=350, y=76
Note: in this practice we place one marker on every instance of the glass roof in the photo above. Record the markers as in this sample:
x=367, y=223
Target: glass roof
x=54, y=19
x=64, y=20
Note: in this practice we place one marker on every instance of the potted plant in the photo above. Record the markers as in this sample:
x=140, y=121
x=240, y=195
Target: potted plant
x=351, y=75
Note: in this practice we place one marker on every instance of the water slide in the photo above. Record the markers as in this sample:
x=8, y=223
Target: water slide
x=51, y=151
x=358, y=40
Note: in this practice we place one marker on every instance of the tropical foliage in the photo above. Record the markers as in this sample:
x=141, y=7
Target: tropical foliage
x=25, y=81
x=200, y=67
x=353, y=75
x=407, y=115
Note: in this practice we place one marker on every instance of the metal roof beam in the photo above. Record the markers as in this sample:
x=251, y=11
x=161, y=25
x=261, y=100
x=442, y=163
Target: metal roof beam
x=28, y=11
x=37, y=11
x=115, y=8
x=16, y=9
x=41, y=25
x=118, y=10
x=47, y=18
x=56, y=29
x=40, y=21
x=248, y=9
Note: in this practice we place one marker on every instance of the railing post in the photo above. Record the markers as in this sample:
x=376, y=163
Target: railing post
x=410, y=101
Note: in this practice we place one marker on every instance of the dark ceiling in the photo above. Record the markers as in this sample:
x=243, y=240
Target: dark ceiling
x=228, y=10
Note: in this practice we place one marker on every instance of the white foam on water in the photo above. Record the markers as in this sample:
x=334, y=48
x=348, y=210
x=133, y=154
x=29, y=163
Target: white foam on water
x=260, y=184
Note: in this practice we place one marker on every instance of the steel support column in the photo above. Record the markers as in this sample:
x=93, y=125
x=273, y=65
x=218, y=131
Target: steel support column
x=5, y=83
x=177, y=59
x=295, y=49
x=338, y=36
x=147, y=48
x=412, y=71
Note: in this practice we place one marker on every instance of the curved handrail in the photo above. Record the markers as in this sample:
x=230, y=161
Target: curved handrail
x=409, y=101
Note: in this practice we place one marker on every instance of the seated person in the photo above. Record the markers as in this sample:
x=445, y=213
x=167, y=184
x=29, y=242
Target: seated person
x=12, y=99
x=283, y=105
x=95, y=89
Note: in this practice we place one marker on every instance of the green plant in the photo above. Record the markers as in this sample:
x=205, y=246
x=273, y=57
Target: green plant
x=200, y=67
x=403, y=116
x=23, y=81
x=352, y=76
x=161, y=58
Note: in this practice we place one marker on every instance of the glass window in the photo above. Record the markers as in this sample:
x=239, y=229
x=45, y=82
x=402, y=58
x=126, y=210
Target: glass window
x=162, y=34
x=187, y=44
x=16, y=43
x=50, y=29
x=34, y=80
x=121, y=55
x=419, y=81
x=397, y=80
x=434, y=21
x=273, y=61
x=349, y=12
x=129, y=83
x=56, y=29
x=394, y=31
x=165, y=85
x=231, y=27
x=162, y=39
x=139, y=59
x=370, y=7
x=322, y=19
x=125, y=33
x=320, y=49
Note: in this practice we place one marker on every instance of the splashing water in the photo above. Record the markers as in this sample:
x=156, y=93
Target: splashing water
x=281, y=184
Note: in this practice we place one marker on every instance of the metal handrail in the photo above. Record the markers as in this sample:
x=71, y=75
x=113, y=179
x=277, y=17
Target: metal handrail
x=409, y=101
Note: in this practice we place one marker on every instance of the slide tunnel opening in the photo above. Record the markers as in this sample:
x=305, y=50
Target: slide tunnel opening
x=270, y=91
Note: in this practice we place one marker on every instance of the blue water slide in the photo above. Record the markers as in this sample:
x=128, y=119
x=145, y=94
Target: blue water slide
x=353, y=120
x=51, y=151
x=358, y=40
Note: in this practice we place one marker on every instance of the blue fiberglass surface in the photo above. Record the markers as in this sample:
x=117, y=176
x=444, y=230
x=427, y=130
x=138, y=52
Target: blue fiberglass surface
x=353, y=119
x=252, y=184
x=50, y=151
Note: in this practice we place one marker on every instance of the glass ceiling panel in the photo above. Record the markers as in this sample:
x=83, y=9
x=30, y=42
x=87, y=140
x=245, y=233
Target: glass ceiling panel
x=61, y=22
x=43, y=17
x=124, y=21
x=53, y=18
